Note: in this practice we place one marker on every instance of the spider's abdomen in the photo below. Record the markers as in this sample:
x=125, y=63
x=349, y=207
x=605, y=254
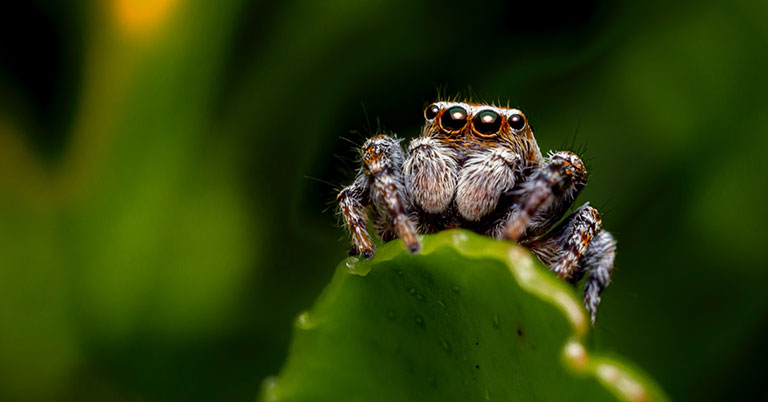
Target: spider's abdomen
x=430, y=172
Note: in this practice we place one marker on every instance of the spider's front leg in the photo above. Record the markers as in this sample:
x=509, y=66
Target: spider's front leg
x=546, y=196
x=352, y=202
x=382, y=162
x=382, y=179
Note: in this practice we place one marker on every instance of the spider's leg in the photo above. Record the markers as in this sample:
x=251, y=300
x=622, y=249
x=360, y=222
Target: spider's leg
x=563, y=248
x=599, y=261
x=548, y=194
x=382, y=162
x=352, y=201
x=576, y=246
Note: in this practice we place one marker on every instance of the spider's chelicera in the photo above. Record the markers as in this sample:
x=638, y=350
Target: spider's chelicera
x=479, y=167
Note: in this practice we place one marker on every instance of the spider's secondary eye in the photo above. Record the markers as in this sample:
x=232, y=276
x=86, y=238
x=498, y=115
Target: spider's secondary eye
x=487, y=122
x=431, y=112
x=516, y=121
x=454, y=119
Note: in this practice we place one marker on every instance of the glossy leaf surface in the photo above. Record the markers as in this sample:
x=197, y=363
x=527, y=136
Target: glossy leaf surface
x=469, y=318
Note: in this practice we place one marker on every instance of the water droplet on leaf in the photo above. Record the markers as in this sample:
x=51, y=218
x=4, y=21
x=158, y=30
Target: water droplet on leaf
x=444, y=343
x=303, y=321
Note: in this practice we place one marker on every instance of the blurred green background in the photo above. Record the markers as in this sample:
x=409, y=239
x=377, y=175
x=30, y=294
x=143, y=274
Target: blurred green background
x=165, y=170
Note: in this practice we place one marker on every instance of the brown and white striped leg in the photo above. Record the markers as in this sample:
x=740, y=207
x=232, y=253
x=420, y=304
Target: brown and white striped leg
x=382, y=162
x=562, y=249
x=577, y=246
x=548, y=195
x=352, y=201
x=578, y=235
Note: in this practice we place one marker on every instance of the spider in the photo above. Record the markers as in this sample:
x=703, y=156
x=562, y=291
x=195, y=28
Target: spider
x=478, y=167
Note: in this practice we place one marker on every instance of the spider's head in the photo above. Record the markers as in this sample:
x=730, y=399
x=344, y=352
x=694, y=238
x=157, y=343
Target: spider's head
x=481, y=125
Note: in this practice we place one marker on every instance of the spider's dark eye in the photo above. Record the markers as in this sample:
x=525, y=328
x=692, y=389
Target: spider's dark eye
x=487, y=122
x=454, y=119
x=431, y=112
x=516, y=121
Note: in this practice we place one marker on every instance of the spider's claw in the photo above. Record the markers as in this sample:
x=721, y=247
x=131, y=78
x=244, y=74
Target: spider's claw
x=406, y=232
x=368, y=254
x=414, y=248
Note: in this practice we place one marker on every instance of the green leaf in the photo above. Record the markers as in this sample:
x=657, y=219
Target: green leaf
x=468, y=319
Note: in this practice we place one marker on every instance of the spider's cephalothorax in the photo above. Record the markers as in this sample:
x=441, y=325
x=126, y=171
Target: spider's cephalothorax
x=479, y=167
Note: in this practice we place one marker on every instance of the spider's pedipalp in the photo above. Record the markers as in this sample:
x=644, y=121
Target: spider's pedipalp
x=431, y=173
x=483, y=178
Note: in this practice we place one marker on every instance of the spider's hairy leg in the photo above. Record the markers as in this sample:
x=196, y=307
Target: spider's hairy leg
x=352, y=201
x=382, y=162
x=547, y=195
x=484, y=177
x=562, y=249
x=576, y=246
x=599, y=261
x=430, y=174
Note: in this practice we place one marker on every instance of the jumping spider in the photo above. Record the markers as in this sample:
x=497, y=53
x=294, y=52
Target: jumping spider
x=478, y=167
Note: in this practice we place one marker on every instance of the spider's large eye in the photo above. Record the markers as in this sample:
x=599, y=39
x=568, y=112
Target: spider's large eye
x=487, y=122
x=516, y=121
x=431, y=111
x=454, y=119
